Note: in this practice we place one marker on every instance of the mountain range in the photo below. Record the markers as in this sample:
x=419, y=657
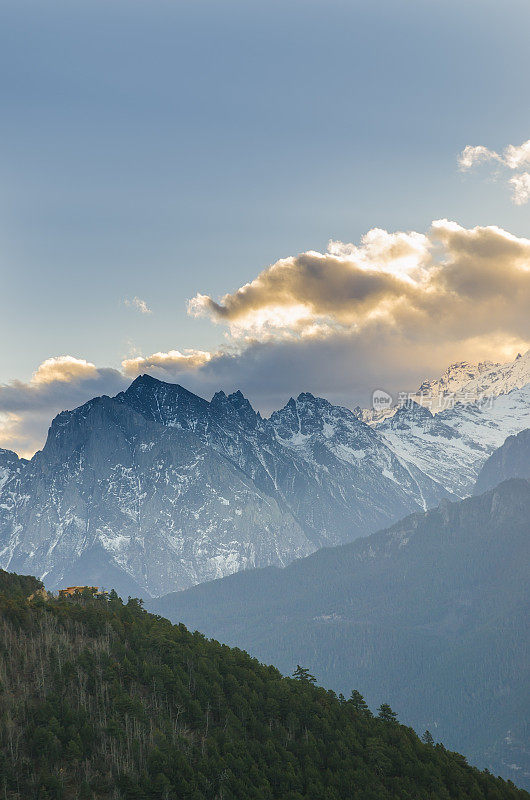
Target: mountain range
x=157, y=489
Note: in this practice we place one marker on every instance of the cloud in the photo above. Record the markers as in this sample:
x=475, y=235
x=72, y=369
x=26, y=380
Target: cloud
x=514, y=157
x=476, y=281
x=165, y=364
x=137, y=304
x=520, y=188
x=312, y=291
x=27, y=408
x=388, y=312
x=472, y=155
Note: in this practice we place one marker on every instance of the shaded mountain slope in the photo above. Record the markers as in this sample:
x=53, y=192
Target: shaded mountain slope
x=430, y=615
x=511, y=460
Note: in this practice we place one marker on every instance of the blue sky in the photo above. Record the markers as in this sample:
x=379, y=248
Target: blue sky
x=167, y=148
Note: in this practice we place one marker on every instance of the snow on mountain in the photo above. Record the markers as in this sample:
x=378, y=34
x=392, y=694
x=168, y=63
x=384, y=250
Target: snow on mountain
x=124, y=501
x=466, y=382
x=158, y=489
x=358, y=474
x=452, y=446
x=10, y=465
x=461, y=383
x=332, y=471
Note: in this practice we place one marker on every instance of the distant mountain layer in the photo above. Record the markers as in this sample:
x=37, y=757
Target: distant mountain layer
x=462, y=383
x=431, y=614
x=512, y=460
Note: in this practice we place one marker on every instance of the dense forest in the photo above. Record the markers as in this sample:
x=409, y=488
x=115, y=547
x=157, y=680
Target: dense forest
x=101, y=700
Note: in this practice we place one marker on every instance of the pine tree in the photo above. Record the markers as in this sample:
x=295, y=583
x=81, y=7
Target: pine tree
x=359, y=703
x=303, y=674
x=427, y=738
x=386, y=713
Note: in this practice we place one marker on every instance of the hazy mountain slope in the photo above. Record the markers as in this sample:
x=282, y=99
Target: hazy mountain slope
x=511, y=460
x=118, y=500
x=431, y=614
x=101, y=700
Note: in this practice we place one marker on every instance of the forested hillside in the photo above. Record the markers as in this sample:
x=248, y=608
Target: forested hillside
x=100, y=700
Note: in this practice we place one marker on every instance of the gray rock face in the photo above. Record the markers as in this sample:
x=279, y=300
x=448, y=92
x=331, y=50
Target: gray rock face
x=336, y=475
x=512, y=460
x=157, y=489
x=10, y=465
x=135, y=501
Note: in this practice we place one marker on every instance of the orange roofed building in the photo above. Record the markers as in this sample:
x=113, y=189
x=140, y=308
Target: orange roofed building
x=71, y=590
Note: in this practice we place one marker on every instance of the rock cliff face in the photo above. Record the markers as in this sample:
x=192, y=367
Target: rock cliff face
x=10, y=465
x=119, y=500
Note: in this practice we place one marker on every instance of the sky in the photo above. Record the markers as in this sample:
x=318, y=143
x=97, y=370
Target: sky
x=156, y=157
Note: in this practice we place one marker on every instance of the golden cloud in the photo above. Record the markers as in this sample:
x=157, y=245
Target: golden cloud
x=452, y=280
x=174, y=360
x=385, y=313
x=63, y=368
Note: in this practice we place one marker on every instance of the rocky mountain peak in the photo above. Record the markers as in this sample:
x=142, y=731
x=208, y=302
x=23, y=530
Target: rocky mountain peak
x=468, y=382
x=408, y=415
x=167, y=403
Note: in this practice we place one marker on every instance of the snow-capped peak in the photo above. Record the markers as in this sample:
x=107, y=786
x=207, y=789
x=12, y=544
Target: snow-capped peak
x=468, y=383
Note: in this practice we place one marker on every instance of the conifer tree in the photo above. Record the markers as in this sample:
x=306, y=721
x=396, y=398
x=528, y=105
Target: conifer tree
x=427, y=738
x=303, y=674
x=386, y=713
x=359, y=703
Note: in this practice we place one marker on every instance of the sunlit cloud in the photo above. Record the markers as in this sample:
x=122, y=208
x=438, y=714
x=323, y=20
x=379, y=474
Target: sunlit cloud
x=474, y=280
x=520, y=188
x=137, y=304
x=165, y=364
x=513, y=157
x=63, y=368
x=59, y=383
x=388, y=312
